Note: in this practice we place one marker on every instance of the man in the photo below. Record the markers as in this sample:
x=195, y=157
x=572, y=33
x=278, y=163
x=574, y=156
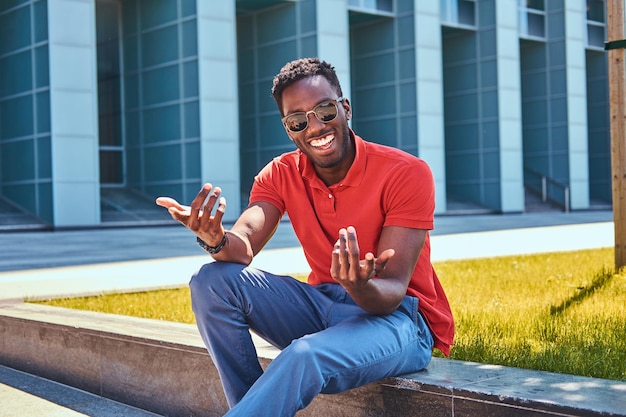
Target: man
x=373, y=306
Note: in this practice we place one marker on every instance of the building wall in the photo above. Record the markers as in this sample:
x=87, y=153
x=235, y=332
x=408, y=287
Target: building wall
x=598, y=134
x=25, y=131
x=471, y=114
x=267, y=39
x=149, y=98
x=161, y=98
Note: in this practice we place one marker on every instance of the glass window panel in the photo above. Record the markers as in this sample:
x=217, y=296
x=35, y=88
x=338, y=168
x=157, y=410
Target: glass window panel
x=375, y=69
x=308, y=18
x=408, y=98
x=41, y=21
x=16, y=117
x=45, y=199
x=131, y=56
x=272, y=132
x=379, y=131
x=536, y=25
x=9, y=4
x=133, y=166
x=489, y=104
x=157, y=12
x=595, y=10
x=17, y=74
x=43, y=112
x=129, y=17
x=192, y=161
x=159, y=46
x=370, y=102
x=160, y=85
x=376, y=37
x=190, y=39
x=192, y=120
x=161, y=124
x=131, y=123
x=23, y=194
x=163, y=163
x=595, y=36
x=190, y=79
x=308, y=45
x=407, y=63
x=42, y=68
x=131, y=92
x=266, y=102
x=188, y=7
x=20, y=168
x=408, y=134
x=406, y=35
x=44, y=158
x=467, y=12
x=384, y=5
x=276, y=24
x=15, y=30
x=247, y=134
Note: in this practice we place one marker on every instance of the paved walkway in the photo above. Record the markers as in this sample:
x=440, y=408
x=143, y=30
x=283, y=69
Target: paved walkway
x=68, y=263
x=53, y=264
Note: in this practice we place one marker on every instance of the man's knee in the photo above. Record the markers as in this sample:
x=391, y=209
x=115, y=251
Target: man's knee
x=212, y=275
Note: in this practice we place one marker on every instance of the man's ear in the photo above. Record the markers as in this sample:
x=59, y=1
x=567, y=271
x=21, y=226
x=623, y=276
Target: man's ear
x=347, y=108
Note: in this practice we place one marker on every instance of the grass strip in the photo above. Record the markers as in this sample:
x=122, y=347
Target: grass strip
x=561, y=312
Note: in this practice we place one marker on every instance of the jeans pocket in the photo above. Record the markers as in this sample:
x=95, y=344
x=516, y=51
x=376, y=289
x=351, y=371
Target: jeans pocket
x=409, y=307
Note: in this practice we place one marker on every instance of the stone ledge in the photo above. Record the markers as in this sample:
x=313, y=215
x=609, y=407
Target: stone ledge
x=163, y=367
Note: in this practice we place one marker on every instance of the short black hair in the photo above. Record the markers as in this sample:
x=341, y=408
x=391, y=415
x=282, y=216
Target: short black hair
x=299, y=69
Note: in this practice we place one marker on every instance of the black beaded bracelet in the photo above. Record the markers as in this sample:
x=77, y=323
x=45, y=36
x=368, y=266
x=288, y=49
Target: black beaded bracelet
x=212, y=249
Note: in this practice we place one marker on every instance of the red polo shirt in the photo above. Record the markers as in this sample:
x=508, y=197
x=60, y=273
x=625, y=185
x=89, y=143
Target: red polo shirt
x=384, y=187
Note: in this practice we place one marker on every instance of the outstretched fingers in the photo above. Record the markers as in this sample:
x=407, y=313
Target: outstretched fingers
x=196, y=207
x=346, y=265
x=176, y=210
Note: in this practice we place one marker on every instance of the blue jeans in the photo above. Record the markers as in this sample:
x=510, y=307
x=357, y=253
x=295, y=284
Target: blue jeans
x=329, y=344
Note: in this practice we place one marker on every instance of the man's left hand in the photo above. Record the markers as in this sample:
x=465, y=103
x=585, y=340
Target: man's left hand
x=347, y=268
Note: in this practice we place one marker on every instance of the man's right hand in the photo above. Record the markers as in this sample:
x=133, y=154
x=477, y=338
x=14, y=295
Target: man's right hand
x=197, y=217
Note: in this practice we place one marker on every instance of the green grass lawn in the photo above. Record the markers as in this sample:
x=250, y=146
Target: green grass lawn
x=561, y=312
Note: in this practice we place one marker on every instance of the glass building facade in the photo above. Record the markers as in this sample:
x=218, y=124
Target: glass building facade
x=107, y=104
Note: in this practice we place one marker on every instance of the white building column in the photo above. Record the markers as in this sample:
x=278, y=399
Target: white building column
x=575, y=38
x=429, y=84
x=219, y=114
x=509, y=107
x=333, y=38
x=74, y=112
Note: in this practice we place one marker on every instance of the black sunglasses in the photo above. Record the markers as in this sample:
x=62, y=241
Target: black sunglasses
x=324, y=112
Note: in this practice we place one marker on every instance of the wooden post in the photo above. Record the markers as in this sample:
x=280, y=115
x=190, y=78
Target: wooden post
x=615, y=25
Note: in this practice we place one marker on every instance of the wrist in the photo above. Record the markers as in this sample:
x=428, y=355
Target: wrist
x=213, y=250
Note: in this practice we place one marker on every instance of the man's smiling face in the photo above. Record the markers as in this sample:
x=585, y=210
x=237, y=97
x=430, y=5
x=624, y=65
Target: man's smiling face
x=329, y=145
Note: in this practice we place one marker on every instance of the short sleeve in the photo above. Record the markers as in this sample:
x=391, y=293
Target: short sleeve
x=409, y=197
x=268, y=186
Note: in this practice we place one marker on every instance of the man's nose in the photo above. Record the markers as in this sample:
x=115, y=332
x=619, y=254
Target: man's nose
x=313, y=121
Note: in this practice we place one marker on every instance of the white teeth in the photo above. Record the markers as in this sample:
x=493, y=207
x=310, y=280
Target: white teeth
x=318, y=143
